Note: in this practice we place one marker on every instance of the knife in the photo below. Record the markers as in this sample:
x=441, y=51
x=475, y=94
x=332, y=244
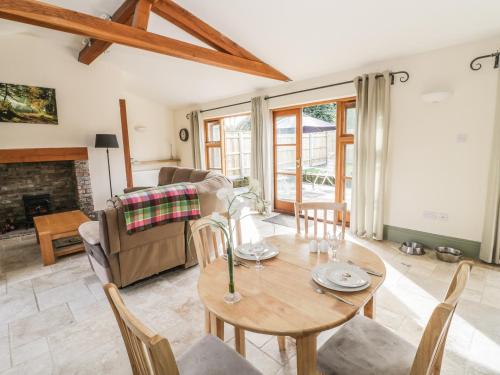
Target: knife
x=367, y=270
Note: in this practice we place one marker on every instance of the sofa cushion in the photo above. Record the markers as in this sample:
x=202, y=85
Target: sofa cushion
x=181, y=175
x=198, y=175
x=210, y=356
x=165, y=176
x=364, y=347
x=89, y=231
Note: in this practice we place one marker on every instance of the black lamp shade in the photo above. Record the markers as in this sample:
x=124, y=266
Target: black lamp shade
x=106, y=141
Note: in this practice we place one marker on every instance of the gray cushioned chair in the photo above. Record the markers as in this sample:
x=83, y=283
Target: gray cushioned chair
x=364, y=347
x=151, y=354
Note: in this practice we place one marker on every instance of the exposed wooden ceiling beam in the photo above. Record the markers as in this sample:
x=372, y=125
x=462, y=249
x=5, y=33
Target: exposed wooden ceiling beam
x=141, y=14
x=52, y=17
x=96, y=48
x=188, y=22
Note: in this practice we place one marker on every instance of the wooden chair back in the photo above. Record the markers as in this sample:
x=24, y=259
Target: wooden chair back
x=210, y=243
x=149, y=353
x=431, y=348
x=338, y=209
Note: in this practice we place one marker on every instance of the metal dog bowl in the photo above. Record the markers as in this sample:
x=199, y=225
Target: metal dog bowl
x=448, y=254
x=412, y=248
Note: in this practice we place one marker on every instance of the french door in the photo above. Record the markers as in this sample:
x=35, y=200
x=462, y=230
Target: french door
x=287, y=159
x=313, y=153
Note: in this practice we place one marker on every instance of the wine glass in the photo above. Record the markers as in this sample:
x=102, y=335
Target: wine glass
x=334, y=245
x=258, y=250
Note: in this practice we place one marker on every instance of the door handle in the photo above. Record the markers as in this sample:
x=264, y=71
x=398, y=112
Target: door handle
x=298, y=163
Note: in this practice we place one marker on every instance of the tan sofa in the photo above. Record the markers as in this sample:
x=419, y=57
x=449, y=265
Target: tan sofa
x=123, y=259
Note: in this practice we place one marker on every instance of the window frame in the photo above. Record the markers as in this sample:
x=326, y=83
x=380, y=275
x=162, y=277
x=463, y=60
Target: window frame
x=213, y=145
x=221, y=144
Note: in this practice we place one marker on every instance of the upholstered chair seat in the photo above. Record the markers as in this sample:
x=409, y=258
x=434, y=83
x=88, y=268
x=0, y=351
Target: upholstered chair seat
x=364, y=347
x=210, y=356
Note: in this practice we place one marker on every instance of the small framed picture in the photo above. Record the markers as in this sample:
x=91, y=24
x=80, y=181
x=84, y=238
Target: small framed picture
x=184, y=134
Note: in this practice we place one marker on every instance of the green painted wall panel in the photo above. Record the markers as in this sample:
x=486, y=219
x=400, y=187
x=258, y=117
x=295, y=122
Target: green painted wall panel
x=430, y=240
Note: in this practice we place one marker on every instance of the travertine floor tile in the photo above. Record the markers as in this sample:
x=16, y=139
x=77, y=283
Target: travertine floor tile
x=39, y=325
x=71, y=291
x=31, y=350
x=14, y=306
x=5, y=362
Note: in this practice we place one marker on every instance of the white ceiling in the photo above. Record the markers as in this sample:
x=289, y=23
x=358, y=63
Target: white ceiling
x=300, y=38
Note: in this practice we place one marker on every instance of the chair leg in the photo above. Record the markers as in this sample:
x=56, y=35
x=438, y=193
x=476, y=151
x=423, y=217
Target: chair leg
x=281, y=343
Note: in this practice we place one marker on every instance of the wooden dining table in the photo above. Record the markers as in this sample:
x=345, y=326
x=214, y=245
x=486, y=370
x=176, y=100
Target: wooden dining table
x=281, y=299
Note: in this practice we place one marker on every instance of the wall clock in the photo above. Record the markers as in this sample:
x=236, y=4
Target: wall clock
x=184, y=134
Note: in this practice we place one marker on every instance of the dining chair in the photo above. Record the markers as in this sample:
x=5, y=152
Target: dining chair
x=364, y=347
x=210, y=244
x=338, y=209
x=151, y=354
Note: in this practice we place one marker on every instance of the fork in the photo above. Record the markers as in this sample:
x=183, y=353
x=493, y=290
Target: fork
x=321, y=291
x=236, y=262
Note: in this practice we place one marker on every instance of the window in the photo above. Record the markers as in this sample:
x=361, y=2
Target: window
x=228, y=147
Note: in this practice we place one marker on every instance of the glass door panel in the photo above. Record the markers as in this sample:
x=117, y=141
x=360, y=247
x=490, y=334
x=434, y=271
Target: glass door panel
x=318, y=152
x=286, y=159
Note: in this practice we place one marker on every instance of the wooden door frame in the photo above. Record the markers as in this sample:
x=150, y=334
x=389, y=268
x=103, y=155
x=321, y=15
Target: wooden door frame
x=342, y=139
x=282, y=206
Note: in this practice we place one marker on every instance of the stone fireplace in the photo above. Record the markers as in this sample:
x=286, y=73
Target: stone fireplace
x=59, y=178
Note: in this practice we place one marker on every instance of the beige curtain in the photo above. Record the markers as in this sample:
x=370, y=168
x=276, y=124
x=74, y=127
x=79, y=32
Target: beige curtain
x=261, y=147
x=370, y=149
x=196, y=142
x=490, y=243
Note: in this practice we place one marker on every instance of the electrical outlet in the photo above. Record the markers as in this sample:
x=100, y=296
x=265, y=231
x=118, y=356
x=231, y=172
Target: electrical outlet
x=443, y=216
x=430, y=215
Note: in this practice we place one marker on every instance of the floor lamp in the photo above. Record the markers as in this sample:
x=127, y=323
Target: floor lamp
x=107, y=141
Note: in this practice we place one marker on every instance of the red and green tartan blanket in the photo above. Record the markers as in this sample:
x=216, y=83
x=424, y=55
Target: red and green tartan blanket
x=149, y=208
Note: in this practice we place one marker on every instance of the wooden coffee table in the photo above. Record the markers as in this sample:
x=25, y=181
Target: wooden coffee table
x=55, y=226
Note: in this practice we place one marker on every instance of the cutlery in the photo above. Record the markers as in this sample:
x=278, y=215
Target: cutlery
x=367, y=270
x=322, y=291
x=237, y=262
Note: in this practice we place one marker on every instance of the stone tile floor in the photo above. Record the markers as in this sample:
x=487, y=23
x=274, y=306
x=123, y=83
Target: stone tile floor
x=56, y=320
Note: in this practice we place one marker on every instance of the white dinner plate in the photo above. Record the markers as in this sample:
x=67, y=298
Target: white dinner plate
x=344, y=274
x=319, y=275
x=243, y=252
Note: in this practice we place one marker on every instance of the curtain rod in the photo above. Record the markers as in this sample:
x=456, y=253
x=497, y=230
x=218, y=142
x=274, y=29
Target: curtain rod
x=405, y=77
x=475, y=65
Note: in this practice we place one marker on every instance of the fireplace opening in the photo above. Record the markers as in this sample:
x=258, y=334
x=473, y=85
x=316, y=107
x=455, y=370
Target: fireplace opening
x=36, y=205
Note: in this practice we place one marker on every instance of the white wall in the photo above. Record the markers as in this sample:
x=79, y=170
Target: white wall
x=428, y=169
x=87, y=101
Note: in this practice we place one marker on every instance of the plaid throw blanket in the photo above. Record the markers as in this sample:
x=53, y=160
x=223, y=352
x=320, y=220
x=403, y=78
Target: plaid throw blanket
x=149, y=208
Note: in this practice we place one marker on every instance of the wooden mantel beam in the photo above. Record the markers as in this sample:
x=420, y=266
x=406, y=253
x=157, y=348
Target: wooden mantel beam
x=188, y=22
x=96, y=48
x=52, y=17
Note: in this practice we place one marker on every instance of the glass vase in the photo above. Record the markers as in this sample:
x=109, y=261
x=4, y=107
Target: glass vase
x=232, y=296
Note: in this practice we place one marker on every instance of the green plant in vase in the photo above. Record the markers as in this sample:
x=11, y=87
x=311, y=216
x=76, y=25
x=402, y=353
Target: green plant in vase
x=235, y=204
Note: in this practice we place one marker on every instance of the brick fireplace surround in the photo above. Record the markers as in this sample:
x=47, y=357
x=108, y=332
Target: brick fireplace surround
x=61, y=172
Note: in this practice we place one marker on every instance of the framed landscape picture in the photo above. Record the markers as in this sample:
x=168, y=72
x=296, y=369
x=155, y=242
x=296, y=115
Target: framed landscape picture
x=27, y=104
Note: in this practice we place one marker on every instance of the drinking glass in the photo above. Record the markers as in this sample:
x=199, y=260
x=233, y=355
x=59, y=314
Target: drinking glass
x=334, y=245
x=258, y=250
